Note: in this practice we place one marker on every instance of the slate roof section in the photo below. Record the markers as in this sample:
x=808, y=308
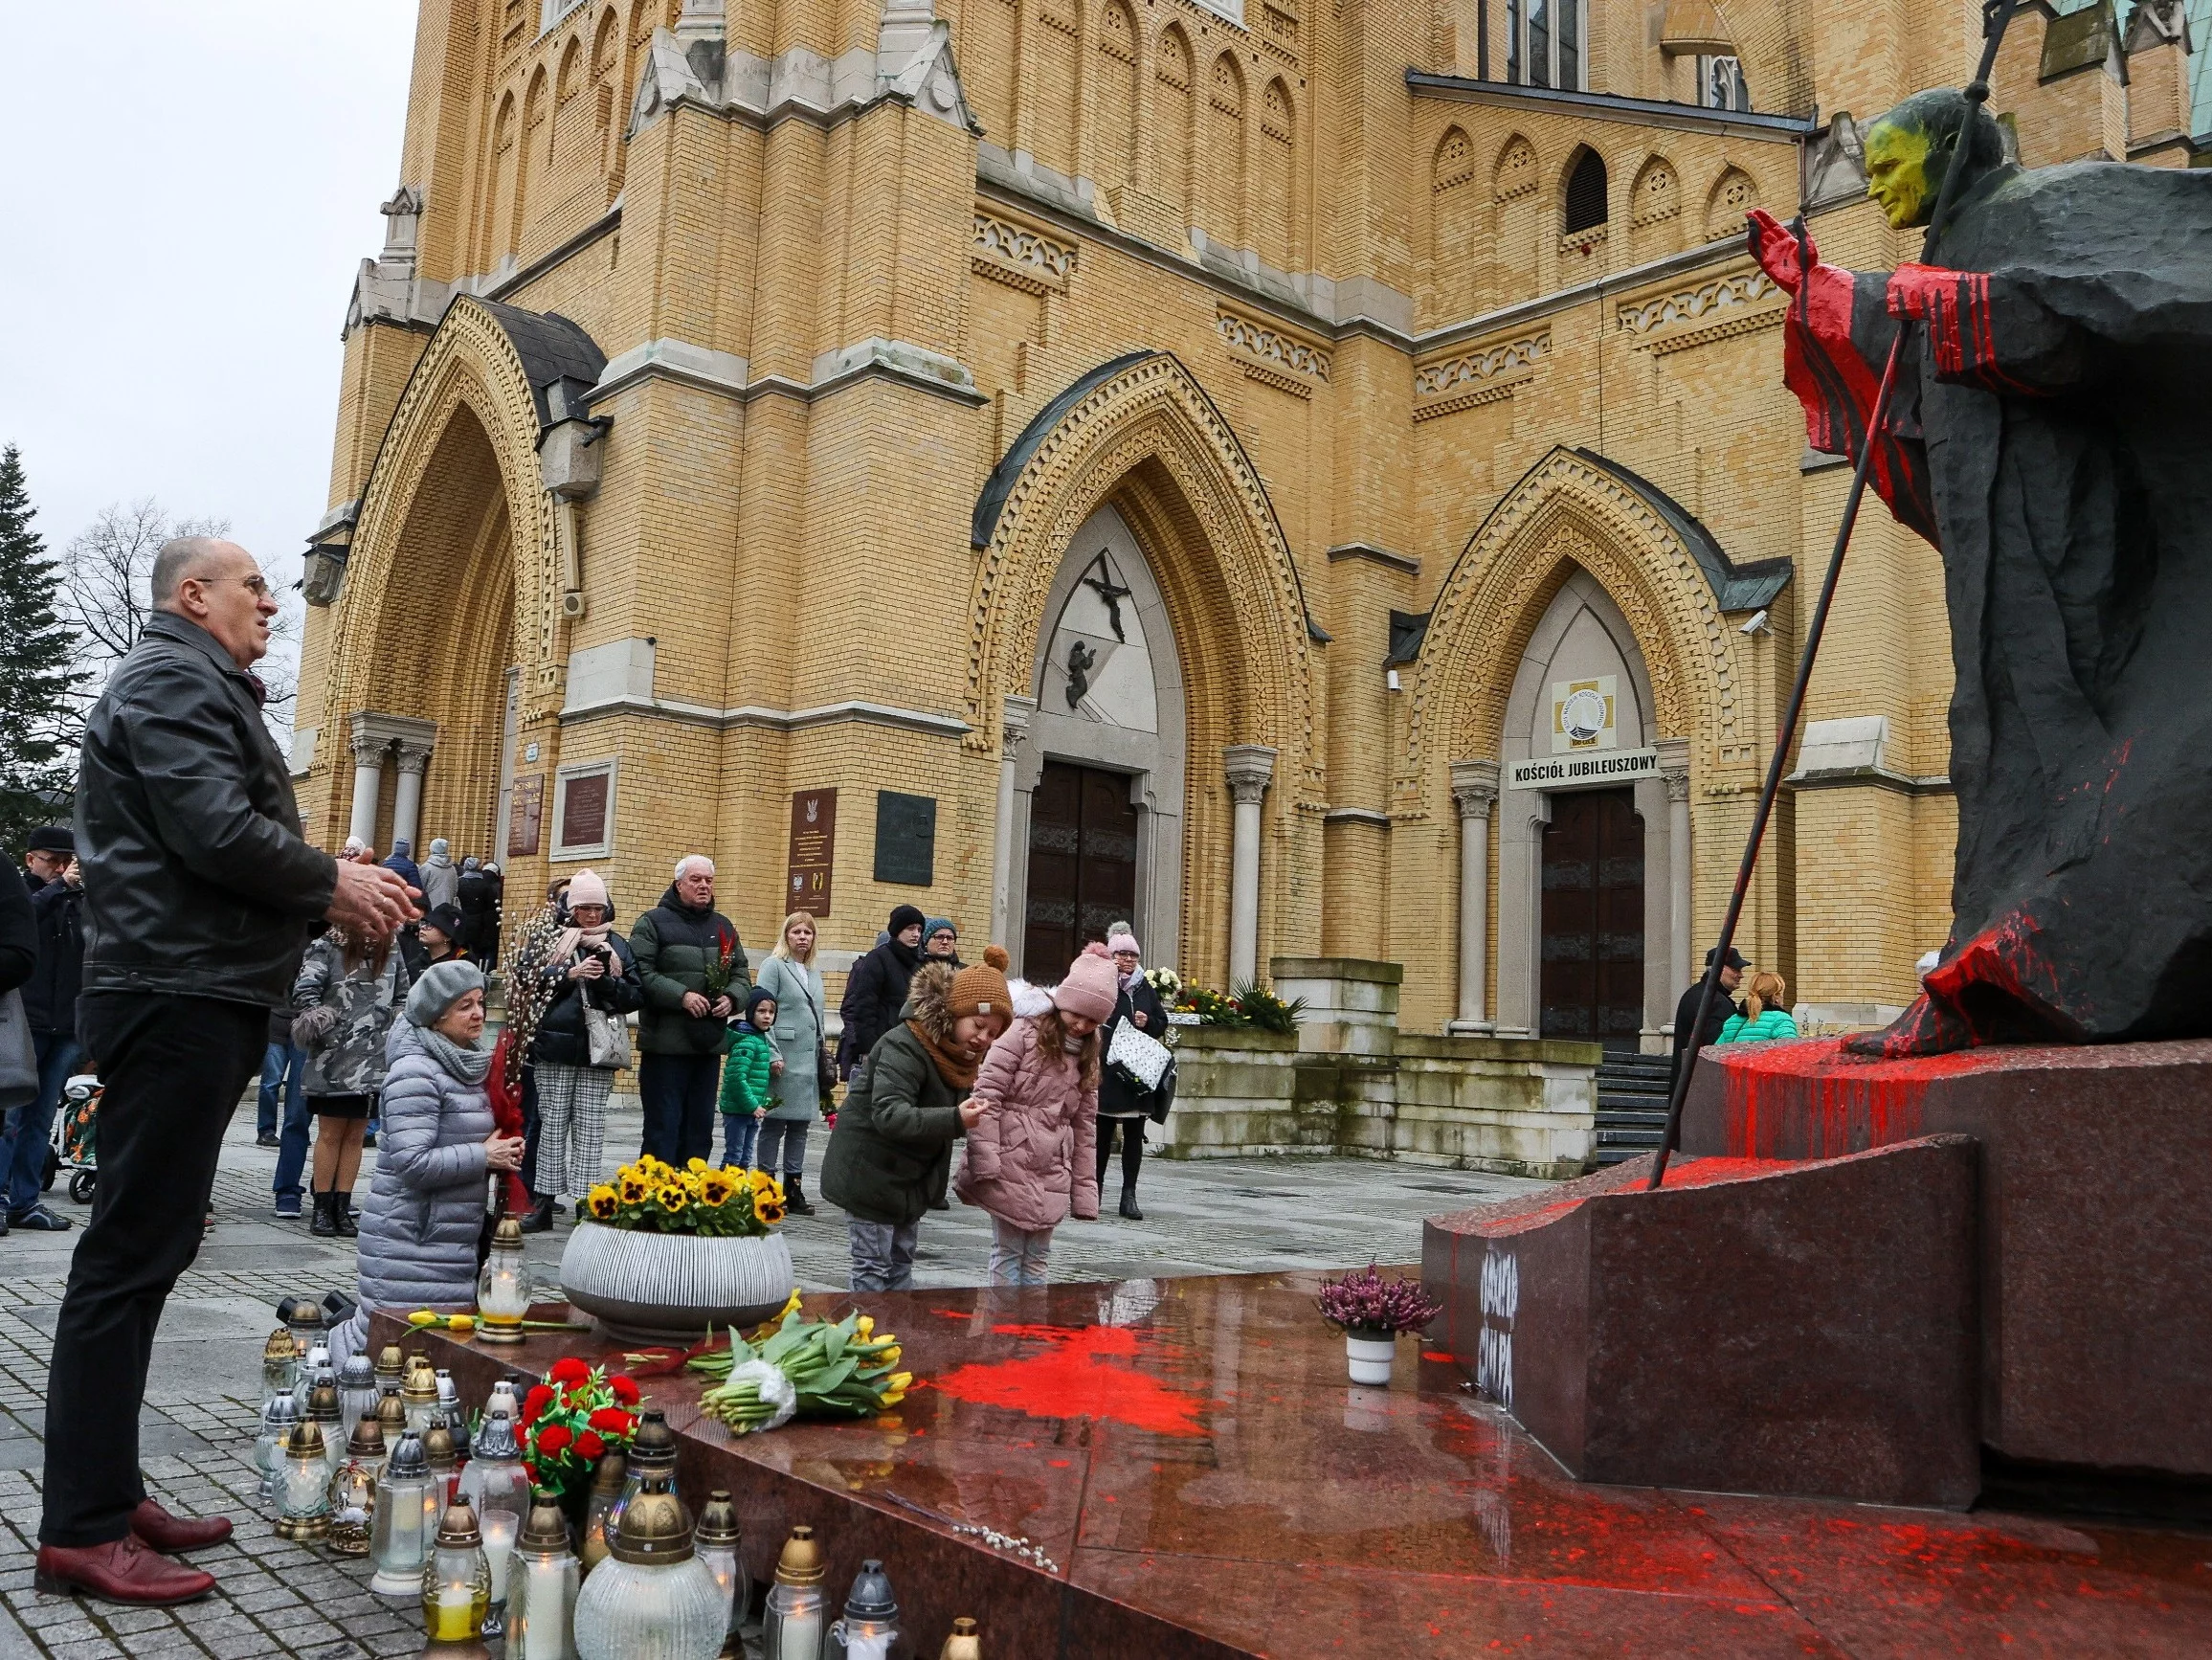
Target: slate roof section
x=1734, y=587
x=554, y=351
x=1000, y=484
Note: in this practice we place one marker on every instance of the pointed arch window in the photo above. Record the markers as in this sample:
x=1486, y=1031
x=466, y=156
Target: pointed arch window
x=1545, y=44
x=1585, y=205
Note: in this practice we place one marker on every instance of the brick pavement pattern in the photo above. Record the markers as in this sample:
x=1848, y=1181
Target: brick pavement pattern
x=275, y=1598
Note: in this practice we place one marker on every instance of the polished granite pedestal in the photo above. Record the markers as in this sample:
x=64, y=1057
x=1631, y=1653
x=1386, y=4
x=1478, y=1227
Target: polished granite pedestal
x=2091, y=1242
x=1190, y=1457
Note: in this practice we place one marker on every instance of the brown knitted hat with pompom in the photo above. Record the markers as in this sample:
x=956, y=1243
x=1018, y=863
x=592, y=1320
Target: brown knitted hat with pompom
x=980, y=988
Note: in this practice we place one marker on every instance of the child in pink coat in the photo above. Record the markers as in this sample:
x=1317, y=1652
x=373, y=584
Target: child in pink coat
x=1030, y=1158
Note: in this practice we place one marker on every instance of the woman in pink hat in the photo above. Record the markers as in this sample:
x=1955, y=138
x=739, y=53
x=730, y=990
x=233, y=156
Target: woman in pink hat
x=1027, y=1159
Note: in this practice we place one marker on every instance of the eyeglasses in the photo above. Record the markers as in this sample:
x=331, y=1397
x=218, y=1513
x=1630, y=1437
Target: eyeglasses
x=256, y=585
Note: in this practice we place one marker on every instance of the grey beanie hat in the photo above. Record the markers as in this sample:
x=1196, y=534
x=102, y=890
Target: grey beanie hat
x=441, y=986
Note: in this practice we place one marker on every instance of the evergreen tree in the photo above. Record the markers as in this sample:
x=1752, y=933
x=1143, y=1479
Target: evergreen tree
x=37, y=674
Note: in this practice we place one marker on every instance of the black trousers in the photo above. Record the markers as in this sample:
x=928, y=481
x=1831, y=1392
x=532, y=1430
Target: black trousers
x=679, y=1093
x=1132, y=1147
x=174, y=1069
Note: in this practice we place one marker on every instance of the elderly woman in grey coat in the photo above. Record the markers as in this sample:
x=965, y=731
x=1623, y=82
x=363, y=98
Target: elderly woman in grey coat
x=426, y=1210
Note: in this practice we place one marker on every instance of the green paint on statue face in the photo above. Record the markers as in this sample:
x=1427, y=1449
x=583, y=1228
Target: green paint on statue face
x=1898, y=174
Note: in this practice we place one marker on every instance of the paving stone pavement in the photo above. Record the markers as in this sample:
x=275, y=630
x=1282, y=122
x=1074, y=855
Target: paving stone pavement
x=203, y=1396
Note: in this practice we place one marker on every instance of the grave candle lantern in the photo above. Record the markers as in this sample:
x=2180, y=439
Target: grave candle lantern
x=717, y=1541
x=305, y=1512
x=796, y=1608
x=498, y=1488
x=408, y=1502
x=651, y=1598
x=870, y=1627
x=456, y=1586
x=542, y=1590
x=504, y=1287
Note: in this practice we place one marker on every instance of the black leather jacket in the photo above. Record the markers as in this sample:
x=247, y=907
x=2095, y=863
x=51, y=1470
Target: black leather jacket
x=196, y=879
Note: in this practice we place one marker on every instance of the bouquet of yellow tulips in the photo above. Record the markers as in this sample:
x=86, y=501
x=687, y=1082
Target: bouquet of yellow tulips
x=651, y=1196
x=799, y=1368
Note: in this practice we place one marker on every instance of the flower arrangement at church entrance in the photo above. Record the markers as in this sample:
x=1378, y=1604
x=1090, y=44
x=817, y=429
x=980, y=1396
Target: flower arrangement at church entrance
x=665, y=1255
x=794, y=1368
x=1371, y=1312
x=573, y=1417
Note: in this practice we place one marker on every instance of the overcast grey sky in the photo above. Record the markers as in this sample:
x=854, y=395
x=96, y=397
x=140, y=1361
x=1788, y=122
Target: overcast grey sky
x=191, y=187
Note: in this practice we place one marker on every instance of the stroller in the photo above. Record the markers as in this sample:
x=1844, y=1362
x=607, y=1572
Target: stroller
x=71, y=1145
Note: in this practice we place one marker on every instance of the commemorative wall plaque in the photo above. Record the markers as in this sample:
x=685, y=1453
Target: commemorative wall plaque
x=814, y=846
x=905, y=839
x=525, y=816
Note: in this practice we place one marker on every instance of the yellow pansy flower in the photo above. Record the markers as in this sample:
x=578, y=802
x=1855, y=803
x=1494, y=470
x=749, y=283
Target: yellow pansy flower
x=602, y=1202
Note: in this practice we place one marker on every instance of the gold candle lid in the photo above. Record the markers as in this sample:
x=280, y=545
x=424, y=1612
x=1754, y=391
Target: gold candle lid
x=547, y=1529
x=457, y=1529
x=718, y=1522
x=305, y=1441
x=367, y=1440
x=279, y=1346
x=801, y=1562
x=653, y=1448
x=437, y=1445
x=389, y=1363
x=323, y=1404
x=656, y=1530
x=390, y=1413
x=964, y=1643
x=611, y=1471
x=508, y=1234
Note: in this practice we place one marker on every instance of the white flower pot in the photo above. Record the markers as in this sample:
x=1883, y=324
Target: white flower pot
x=1369, y=1358
x=667, y=1287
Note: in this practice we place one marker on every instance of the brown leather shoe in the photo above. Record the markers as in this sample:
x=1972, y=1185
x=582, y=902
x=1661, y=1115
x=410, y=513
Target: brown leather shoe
x=178, y=1533
x=122, y=1571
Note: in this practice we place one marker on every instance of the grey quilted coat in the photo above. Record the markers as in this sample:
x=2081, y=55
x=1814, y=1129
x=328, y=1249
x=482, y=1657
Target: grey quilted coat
x=351, y=1059
x=418, y=1233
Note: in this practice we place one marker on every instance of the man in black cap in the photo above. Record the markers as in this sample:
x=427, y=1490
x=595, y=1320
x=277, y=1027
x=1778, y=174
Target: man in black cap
x=51, y=848
x=1731, y=974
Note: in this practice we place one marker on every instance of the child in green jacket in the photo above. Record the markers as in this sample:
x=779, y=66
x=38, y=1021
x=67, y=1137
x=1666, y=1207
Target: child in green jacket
x=748, y=1079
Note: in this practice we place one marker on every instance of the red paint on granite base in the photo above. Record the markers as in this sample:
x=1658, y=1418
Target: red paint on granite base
x=1311, y=1518
x=1080, y=1372
x=2092, y=1249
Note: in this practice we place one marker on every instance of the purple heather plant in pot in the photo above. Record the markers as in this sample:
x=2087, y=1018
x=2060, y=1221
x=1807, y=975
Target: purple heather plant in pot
x=1371, y=1311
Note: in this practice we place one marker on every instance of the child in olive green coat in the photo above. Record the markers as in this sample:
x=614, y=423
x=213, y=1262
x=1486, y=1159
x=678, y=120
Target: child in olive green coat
x=748, y=1079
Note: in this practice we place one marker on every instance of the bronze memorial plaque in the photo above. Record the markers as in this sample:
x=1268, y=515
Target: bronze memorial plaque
x=813, y=846
x=525, y=815
x=584, y=810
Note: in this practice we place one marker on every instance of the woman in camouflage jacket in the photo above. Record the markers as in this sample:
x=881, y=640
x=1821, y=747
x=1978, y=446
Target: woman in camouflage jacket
x=348, y=995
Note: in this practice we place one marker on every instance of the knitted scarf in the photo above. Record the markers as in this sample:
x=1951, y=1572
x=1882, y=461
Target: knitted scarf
x=471, y=1064
x=952, y=1064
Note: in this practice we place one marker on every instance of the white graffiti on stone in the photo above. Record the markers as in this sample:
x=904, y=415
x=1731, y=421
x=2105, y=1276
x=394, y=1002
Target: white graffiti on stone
x=1494, y=1347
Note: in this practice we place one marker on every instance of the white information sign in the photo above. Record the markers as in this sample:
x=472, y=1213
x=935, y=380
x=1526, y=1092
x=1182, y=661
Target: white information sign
x=1589, y=767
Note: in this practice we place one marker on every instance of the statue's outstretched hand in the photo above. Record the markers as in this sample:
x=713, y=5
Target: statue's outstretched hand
x=1778, y=249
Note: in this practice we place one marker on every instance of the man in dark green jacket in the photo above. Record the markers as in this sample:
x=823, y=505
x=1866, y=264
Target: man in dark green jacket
x=693, y=969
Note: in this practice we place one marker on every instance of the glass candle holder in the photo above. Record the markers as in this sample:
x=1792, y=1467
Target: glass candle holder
x=323, y=1412
x=609, y=1478
x=797, y=1611
x=277, y=1421
x=352, y=1507
x=651, y=1598
x=305, y=1510
x=504, y=1287
x=418, y=1395
x=456, y=1584
x=280, y=1365
x=498, y=1488
x=391, y=1369
x=444, y=1459
x=356, y=1390
x=541, y=1587
x=870, y=1627
x=303, y=1319
x=716, y=1540
x=316, y=1362
x=405, y=1526
x=964, y=1643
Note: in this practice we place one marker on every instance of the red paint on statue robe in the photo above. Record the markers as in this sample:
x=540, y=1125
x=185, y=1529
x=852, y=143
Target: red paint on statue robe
x=1080, y=1372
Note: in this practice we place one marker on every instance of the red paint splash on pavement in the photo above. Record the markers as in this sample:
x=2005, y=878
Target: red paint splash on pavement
x=1813, y=1100
x=1082, y=1371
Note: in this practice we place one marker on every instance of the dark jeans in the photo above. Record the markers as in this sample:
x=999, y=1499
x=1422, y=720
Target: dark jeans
x=174, y=1069
x=284, y=1075
x=23, y=1149
x=292, y=1139
x=679, y=1093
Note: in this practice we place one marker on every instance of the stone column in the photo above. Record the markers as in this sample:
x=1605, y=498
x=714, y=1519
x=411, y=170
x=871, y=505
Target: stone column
x=1674, y=773
x=369, y=748
x=1013, y=729
x=407, y=799
x=1250, y=769
x=1475, y=788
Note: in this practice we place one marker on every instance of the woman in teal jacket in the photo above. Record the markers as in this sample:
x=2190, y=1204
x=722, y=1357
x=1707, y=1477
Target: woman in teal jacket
x=1765, y=1013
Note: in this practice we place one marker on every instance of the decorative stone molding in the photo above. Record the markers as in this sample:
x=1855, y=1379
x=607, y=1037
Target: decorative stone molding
x=1249, y=768
x=1454, y=161
x=1151, y=414
x=1583, y=242
x=1567, y=509
x=1656, y=196
x=1516, y=170
x=1018, y=256
x=1268, y=354
x=1718, y=309
x=1484, y=375
x=1475, y=788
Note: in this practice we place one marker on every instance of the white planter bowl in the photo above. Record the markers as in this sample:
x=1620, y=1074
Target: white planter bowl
x=1370, y=1359
x=660, y=1288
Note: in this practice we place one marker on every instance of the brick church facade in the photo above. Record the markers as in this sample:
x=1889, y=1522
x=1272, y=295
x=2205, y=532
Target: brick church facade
x=1310, y=477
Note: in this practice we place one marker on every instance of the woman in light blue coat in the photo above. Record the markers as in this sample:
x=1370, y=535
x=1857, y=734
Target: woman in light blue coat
x=426, y=1210
x=792, y=977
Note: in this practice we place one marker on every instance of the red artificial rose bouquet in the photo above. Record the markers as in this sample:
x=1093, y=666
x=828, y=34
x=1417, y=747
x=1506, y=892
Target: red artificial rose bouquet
x=572, y=1420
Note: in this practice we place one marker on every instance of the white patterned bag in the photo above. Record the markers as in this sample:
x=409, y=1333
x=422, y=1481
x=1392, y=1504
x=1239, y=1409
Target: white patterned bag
x=1140, y=1057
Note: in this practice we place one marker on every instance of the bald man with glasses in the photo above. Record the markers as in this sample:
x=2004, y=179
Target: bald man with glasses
x=200, y=896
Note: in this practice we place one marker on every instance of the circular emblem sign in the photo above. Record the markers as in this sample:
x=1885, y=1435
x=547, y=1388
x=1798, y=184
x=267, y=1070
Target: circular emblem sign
x=1582, y=715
